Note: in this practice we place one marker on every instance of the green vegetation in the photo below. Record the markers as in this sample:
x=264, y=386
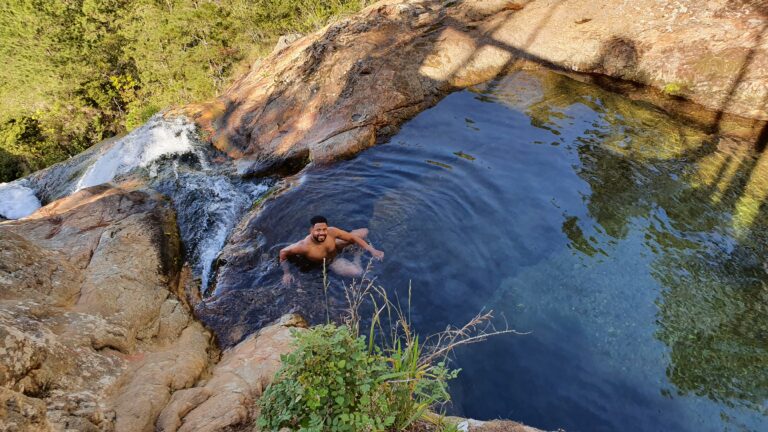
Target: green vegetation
x=78, y=71
x=339, y=381
x=673, y=89
x=335, y=381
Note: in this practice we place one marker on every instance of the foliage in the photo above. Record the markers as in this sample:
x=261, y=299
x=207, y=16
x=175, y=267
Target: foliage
x=79, y=71
x=640, y=165
x=336, y=381
x=673, y=89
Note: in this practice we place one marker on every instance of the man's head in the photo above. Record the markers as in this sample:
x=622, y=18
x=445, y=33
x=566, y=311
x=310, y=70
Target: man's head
x=318, y=228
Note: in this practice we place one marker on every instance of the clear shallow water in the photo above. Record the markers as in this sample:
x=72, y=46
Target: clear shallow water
x=631, y=247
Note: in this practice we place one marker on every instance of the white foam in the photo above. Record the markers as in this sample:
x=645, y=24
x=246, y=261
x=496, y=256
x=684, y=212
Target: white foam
x=156, y=138
x=220, y=204
x=17, y=201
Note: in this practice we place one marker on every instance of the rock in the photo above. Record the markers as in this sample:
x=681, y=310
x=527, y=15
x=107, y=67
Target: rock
x=90, y=328
x=351, y=84
x=228, y=399
x=21, y=413
x=286, y=40
x=496, y=426
x=471, y=425
x=146, y=387
x=188, y=288
x=34, y=273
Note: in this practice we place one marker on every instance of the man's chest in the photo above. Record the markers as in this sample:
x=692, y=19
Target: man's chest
x=319, y=251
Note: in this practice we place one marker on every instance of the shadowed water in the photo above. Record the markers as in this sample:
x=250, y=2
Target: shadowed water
x=631, y=246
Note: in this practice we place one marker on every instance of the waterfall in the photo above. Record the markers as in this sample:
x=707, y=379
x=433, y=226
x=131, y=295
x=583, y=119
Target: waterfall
x=208, y=207
x=208, y=195
x=156, y=138
x=17, y=200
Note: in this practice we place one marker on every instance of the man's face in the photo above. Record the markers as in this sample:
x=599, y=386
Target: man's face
x=319, y=232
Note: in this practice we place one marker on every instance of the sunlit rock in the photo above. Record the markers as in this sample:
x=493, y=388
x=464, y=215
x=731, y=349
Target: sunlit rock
x=87, y=286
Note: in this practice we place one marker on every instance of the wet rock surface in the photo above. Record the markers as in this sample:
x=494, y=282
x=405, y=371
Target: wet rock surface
x=338, y=91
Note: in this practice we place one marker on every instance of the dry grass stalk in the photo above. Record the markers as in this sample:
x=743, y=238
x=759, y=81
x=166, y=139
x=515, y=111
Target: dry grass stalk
x=436, y=347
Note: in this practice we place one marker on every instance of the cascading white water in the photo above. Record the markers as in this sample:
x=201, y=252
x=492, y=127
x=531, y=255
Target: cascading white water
x=208, y=196
x=156, y=138
x=208, y=207
x=17, y=200
x=208, y=200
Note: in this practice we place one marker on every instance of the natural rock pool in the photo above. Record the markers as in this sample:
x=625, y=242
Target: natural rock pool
x=631, y=246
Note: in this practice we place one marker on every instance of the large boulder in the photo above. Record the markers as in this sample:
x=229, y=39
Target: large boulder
x=227, y=401
x=339, y=90
x=88, y=315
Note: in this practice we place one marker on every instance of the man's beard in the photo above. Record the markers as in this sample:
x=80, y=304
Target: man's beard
x=319, y=239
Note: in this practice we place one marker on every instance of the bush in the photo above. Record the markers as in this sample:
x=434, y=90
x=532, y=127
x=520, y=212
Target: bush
x=335, y=381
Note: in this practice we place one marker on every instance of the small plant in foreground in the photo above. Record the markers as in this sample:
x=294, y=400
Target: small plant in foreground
x=673, y=89
x=332, y=382
x=336, y=380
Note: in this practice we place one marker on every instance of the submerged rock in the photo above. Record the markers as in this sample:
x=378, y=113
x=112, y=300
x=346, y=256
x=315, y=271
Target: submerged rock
x=339, y=90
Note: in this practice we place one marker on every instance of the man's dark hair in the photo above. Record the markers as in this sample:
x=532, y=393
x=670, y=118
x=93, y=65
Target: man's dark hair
x=318, y=219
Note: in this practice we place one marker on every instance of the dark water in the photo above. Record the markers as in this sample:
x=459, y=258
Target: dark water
x=631, y=246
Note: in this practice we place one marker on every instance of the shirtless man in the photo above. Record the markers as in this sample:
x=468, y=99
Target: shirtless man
x=324, y=243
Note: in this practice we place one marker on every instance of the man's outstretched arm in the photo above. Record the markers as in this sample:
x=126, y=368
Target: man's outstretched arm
x=349, y=237
x=285, y=252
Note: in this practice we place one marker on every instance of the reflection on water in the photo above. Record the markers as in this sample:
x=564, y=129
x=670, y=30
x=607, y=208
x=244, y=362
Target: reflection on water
x=699, y=210
x=632, y=246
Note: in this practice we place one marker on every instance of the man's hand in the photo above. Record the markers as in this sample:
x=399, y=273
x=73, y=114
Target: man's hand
x=379, y=255
x=288, y=279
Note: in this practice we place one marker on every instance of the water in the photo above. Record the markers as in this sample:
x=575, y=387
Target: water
x=157, y=138
x=17, y=200
x=631, y=246
x=208, y=195
x=165, y=153
x=208, y=207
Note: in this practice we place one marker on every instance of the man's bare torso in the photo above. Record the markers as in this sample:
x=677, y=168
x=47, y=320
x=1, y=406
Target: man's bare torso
x=323, y=244
x=315, y=251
